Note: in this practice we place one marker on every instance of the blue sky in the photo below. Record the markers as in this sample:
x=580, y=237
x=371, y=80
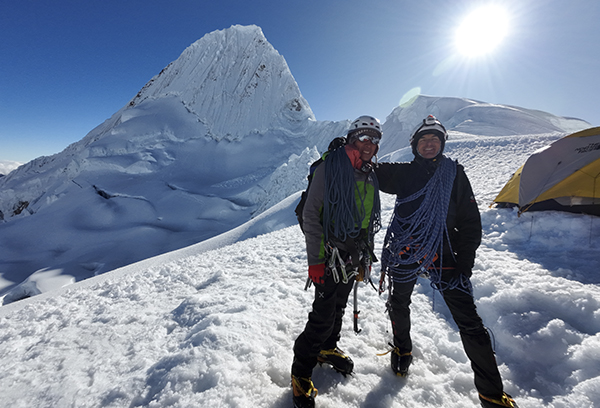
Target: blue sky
x=66, y=65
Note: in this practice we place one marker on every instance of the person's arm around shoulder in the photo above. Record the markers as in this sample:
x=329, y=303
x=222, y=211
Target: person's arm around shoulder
x=389, y=176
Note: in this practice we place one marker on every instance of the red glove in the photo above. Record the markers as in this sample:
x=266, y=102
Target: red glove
x=316, y=273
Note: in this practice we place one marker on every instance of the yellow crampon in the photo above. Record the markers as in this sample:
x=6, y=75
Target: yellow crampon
x=505, y=401
x=387, y=352
x=395, y=350
x=299, y=390
x=333, y=352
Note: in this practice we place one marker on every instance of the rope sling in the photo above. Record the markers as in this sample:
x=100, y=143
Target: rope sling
x=413, y=243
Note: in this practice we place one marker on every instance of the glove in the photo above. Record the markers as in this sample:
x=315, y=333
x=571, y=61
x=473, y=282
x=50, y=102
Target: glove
x=316, y=273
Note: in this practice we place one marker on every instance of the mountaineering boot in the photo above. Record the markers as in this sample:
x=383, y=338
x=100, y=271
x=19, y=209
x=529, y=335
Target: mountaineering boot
x=337, y=359
x=401, y=362
x=304, y=392
x=504, y=401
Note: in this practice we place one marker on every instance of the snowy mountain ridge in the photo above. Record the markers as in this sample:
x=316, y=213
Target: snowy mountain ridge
x=229, y=84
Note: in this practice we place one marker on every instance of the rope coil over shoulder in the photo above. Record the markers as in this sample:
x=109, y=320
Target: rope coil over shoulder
x=413, y=243
x=342, y=217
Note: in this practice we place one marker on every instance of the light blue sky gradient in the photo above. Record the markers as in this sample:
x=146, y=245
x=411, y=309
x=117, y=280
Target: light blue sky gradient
x=68, y=65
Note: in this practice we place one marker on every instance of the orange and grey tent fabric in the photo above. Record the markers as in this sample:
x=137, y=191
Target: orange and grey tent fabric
x=563, y=176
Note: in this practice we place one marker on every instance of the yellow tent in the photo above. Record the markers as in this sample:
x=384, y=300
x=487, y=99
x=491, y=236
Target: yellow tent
x=563, y=176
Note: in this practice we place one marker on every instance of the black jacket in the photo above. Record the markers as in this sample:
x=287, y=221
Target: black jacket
x=463, y=220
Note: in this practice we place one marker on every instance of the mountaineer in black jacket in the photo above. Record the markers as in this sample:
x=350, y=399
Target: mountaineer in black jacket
x=435, y=231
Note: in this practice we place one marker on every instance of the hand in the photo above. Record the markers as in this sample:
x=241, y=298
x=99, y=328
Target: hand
x=316, y=273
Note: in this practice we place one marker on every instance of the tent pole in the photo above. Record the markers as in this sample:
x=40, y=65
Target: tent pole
x=531, y=228
x=591, y=227
x=593, y=202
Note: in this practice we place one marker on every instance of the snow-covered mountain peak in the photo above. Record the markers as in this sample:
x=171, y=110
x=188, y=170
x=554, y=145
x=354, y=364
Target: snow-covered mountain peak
x=229, y=85
x=193, y=155
x=233, y=81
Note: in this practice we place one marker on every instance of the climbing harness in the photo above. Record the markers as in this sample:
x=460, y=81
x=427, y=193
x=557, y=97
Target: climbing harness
x=335, y=261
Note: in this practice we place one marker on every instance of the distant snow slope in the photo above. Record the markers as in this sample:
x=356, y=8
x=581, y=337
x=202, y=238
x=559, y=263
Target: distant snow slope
x=471, y=117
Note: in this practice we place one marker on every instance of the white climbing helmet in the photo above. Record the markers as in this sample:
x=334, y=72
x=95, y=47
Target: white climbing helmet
x=366, y=122
x=429, y=125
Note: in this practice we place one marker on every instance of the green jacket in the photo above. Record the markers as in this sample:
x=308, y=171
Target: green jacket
x=313, y=229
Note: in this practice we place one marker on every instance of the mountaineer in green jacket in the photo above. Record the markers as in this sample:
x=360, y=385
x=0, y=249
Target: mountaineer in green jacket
x=340, y=218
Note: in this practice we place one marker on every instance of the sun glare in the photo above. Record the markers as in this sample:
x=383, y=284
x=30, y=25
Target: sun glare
x=481, y=31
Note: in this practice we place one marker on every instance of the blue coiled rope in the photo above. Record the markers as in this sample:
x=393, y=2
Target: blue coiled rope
x=418, y=238
x=342, y=217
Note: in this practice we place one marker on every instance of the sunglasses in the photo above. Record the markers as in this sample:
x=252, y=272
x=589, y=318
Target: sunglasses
x=373, y=139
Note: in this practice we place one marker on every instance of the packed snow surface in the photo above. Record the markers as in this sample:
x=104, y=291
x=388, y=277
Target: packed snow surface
x=214, y=324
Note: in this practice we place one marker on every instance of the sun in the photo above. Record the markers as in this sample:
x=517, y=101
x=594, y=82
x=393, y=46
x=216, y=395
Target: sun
x=482, y=31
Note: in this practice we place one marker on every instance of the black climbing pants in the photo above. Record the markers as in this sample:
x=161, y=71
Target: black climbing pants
x=474, y=336
x=322, y=331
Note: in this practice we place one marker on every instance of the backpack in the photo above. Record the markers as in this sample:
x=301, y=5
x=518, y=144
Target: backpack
x=335, y=144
